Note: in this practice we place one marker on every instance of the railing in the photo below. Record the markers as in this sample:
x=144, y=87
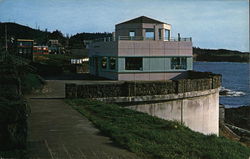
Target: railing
x=134, y=38
x=105, y=39
x=138, y=38
x=131, y=38
x=180, y=39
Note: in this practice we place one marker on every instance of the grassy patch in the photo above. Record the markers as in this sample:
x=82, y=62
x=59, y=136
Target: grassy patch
x=154, y=137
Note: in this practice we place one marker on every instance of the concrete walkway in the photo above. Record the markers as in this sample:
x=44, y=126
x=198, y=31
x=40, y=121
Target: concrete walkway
x=57, y=131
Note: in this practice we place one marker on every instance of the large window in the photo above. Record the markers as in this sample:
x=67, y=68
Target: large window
x=133, y=63
x=167, y=34
x=150, y=34
x=178, y=63
x=112, y=63
x=104, y=62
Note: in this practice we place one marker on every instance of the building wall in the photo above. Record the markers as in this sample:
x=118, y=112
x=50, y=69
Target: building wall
x=147, y=76
x=140, y=29
x=124, y=29
x=154, y=68
x=154, y=48
x=200, y=113
x=103, y=49
x=154, y=64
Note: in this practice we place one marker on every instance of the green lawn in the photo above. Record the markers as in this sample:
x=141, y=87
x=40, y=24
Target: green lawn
x=153, y=137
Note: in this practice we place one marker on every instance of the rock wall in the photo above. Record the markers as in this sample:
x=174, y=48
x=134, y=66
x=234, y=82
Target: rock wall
x=195, y=81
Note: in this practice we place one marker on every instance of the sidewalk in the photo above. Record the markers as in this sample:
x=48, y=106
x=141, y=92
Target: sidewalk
x=57, y=131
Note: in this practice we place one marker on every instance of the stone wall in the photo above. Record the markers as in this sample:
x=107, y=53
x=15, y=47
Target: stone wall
x=195, y=81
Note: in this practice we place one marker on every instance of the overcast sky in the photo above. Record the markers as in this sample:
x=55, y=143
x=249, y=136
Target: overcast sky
x=211, y=23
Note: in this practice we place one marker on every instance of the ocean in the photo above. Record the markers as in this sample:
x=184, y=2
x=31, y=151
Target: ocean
x=235, y=79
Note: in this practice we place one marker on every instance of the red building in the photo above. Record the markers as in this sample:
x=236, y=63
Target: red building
x=40, y=50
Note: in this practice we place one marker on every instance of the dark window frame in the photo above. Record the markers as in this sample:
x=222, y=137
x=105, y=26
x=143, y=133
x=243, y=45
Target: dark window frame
x=179, y=63
x=131, y=31
x=112, y=63
x=134, y=63
x=168, y=36
x=104, y=62
x=149, y=30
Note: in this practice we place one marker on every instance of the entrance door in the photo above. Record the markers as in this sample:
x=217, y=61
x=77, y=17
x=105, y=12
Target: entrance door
x=96, y=66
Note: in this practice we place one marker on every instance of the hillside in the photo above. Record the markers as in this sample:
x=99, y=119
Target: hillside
x=77, y=42
x=18, y=31
x=220, y=55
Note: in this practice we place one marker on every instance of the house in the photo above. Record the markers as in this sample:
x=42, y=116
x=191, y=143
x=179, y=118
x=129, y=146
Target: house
x=40, y=50
x=141, y=49
x=55, y=47
x=25, y=48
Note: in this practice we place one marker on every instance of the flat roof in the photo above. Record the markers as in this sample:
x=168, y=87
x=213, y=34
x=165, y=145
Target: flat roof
x=24, y=40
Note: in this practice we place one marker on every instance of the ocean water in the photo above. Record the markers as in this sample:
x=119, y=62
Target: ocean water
x=235, y=79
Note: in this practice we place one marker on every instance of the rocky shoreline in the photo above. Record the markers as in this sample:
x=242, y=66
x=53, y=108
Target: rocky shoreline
x=238, y=120
x=239, y=117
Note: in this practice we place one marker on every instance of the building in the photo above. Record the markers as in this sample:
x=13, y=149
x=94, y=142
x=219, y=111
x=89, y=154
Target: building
x=25, y=48
x=55, y=47
x=40, y=50
x=141, y=49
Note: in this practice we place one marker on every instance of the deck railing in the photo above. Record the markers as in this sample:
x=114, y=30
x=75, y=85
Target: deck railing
x=138, y=38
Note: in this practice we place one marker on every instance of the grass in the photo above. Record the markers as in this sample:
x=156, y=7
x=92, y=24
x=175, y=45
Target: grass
x=156, y=138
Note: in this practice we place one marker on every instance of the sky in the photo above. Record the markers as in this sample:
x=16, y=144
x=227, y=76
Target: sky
x=213, y=24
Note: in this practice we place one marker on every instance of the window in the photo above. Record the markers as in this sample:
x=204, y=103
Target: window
x=112, y=63
x=133, y=63
x=20, y=51
x=131, y=33
x=160, y=34
x=104, y=62
x=178, y=63
x=150, y=34
x=167, y=34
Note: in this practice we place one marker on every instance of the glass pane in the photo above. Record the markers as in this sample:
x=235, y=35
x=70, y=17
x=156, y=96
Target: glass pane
x=104, y=62
x=133, y=63
x=160, y=36
x=112, y=63
x=150, y=34
x=178, y=63
x=131, y=33
x=167, y=34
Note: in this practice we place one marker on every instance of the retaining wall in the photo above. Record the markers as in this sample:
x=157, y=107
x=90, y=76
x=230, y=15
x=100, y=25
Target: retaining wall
x=195, y=81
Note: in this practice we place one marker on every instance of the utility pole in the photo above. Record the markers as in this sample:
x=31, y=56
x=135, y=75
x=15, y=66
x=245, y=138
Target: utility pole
x=6, y=43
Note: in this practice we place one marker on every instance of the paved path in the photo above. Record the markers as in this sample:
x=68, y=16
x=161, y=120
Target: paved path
x=56, y=131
